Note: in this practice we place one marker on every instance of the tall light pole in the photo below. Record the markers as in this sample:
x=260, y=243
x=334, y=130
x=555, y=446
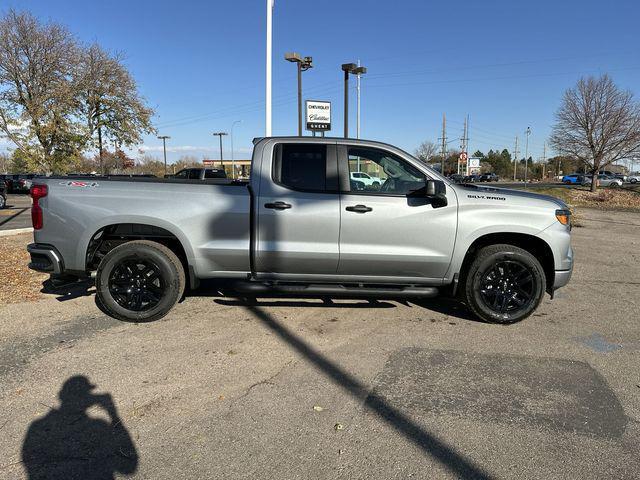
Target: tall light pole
x=359, y=71
x=164, y=139
x=220, y=135
x=267, y=123
x=348, y=68
x=303, y=65
x=233, y=162
x=526, y=155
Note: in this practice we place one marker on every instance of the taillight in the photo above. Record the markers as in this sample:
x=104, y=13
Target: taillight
x=37, y=192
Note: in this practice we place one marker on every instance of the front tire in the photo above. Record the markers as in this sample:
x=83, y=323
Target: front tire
x=139, y=281
x=504, y=284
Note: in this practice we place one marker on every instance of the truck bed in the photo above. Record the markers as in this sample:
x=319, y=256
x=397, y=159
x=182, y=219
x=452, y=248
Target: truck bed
x=210, y=218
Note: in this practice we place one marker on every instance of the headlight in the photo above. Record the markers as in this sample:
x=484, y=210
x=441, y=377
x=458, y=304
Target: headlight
x=564, y=217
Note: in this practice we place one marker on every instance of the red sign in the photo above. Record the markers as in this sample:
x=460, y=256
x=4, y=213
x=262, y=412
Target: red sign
x=463, y=156
x=208, y=162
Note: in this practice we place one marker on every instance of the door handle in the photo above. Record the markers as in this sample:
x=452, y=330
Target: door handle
x=277, y=205
x=359, y=209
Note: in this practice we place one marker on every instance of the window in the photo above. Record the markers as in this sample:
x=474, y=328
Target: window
x=182, y=174
x=382, y=173
x=301, y=166
x=214, y=173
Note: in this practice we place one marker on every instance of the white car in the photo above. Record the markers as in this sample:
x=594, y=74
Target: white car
x=365, y=178
x=633, y=178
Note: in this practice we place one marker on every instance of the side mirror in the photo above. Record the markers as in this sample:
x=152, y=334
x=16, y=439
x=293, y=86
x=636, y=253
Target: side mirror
x=436, y=191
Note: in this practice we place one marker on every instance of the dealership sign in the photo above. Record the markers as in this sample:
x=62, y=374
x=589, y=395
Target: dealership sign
x=474, y=162
x=318, y=115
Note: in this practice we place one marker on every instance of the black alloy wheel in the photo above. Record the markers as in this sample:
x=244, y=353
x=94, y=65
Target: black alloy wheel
x=136, y=285
x=503, y=284
x=139, y=281
x=507, y=287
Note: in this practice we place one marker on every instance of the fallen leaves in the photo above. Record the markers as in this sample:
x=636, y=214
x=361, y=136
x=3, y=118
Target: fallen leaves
x=17, y=282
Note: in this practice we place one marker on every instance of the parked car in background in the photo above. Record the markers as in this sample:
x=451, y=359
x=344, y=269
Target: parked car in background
x=574, y=179
x=3, y=195
x=489, y=177
x=603, y=181
x=21, y=183
x=5, y=180
x=200, y=173
x=620, y=176
x=456, y=178
x=366, y=178
x=633, y=178
x=471, y=179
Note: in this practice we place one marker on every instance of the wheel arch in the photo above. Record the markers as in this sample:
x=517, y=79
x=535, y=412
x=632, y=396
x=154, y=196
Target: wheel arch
x=109, y=236
x=531, y=243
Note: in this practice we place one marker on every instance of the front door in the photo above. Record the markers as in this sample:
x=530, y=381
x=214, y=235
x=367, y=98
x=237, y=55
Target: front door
x=298, y=211
x=388, y=228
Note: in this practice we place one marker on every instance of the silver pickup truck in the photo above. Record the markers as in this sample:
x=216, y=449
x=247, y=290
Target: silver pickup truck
x=304, y=225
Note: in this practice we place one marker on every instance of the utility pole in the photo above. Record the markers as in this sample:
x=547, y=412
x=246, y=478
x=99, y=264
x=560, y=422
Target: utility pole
x=465, y=142
x=515, y=160
x=220, y=135
x=358, y=104
x=444, y=142
x=164, y=149
x=233, y=158
x=526, y=155
x=544, y=158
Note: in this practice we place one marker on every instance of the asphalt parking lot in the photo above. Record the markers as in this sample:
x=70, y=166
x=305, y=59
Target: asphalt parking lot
x=301, y=388
x=17, y=213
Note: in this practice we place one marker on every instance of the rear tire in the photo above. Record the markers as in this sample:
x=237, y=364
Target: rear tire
x=139, y=281
x=504, y=284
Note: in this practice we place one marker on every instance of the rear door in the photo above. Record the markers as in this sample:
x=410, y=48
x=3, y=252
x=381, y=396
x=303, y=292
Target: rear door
x=298, y=210
x=391, y=229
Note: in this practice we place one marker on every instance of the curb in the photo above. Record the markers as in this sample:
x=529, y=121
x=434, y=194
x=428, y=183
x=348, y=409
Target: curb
x=15, y=231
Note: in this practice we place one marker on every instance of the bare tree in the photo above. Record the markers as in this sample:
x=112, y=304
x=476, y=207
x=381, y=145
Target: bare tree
x=426, y=151
x=36, y=91
x=110, y=102
x=597, y=124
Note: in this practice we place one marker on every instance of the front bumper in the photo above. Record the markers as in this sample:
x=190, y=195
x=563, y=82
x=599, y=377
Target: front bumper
x=45, y=258
x=562, y=277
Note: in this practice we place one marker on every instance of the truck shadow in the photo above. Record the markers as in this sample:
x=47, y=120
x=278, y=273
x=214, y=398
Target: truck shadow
x=68, y=290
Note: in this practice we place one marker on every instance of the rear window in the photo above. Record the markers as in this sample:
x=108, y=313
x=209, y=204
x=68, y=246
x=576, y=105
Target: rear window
x=301, y=166
x=213, y=173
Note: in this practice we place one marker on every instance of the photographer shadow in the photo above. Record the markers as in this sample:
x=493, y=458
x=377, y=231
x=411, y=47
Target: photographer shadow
x=69, y=444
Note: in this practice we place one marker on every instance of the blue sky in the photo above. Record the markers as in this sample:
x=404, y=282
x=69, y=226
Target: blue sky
x=200, y=64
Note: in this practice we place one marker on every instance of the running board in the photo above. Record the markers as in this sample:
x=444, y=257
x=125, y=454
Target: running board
x=255, y=288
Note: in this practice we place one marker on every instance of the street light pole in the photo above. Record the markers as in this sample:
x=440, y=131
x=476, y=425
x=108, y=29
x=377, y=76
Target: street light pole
x=304, y=64
x=357, y=70
x=346, y=101
x=233, y=162
x=164, y=149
